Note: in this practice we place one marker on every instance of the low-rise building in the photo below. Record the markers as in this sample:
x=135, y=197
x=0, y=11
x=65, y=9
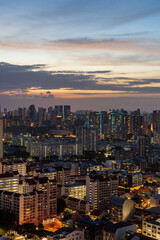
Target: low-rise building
x=155, y=201
x=65, y=234
x=116, y=231
x=151, y=228
x=131, y=180
x=77, y=204
x=121, y=209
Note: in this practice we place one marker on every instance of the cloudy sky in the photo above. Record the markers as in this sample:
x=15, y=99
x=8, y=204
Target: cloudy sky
x=92, y=54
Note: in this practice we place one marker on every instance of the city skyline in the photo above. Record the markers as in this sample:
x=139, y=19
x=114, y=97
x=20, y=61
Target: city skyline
x=92, y=55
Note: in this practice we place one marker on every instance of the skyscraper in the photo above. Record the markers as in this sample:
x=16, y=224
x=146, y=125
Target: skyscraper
x=59, y=110
x=32, y=113
x=67, y=110
x=1, y=138
x=41, y=116
x=156, y=121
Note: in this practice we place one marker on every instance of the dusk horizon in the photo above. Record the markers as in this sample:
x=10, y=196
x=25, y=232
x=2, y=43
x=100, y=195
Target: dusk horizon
x=91, y=55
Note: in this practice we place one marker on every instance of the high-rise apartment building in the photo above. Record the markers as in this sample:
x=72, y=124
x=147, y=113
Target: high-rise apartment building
x=144, y=146
x=13, y=165
x=88, y=137
x=62, y=175
x=34, y=203
x=100, y=189
x=9, y=182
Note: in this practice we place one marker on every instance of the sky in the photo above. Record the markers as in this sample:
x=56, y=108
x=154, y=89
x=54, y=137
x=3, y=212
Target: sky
x=91, y=54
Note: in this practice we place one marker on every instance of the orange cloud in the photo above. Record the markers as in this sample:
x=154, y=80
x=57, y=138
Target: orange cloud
x=147, y=47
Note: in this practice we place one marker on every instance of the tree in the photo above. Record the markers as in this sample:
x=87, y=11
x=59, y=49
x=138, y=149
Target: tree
x=67, y=216
x=137, y=199
x=40, y=226
x=8, y=219
x=27, y=228
x=147, y=196
x=61, y=205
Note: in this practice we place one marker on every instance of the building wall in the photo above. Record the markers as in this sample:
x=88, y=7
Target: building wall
x=9, y=183
x=16, y=165
x=150, y=229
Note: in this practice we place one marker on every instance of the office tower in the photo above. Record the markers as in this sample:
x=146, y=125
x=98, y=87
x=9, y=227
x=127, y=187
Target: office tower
x=1, y=138
x=53, y=117
x=20, y=113
x=50, y=109
x=88, y=137
x=59, y=120
x=67, y=111
x=59, y=110
x=41, y=116
x=100, y=189
x=32, y=113
x=144, y=146
x=156, y=121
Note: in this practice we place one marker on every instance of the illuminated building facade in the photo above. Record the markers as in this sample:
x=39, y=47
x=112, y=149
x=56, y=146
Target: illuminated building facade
x=13, y=165
x=39, y=205
x=9, y=182
x=151, y=228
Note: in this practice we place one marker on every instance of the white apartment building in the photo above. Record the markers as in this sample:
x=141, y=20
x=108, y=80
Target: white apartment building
x=9, y=182
x=76, y=190
x=151, y=228
x=13, y=165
